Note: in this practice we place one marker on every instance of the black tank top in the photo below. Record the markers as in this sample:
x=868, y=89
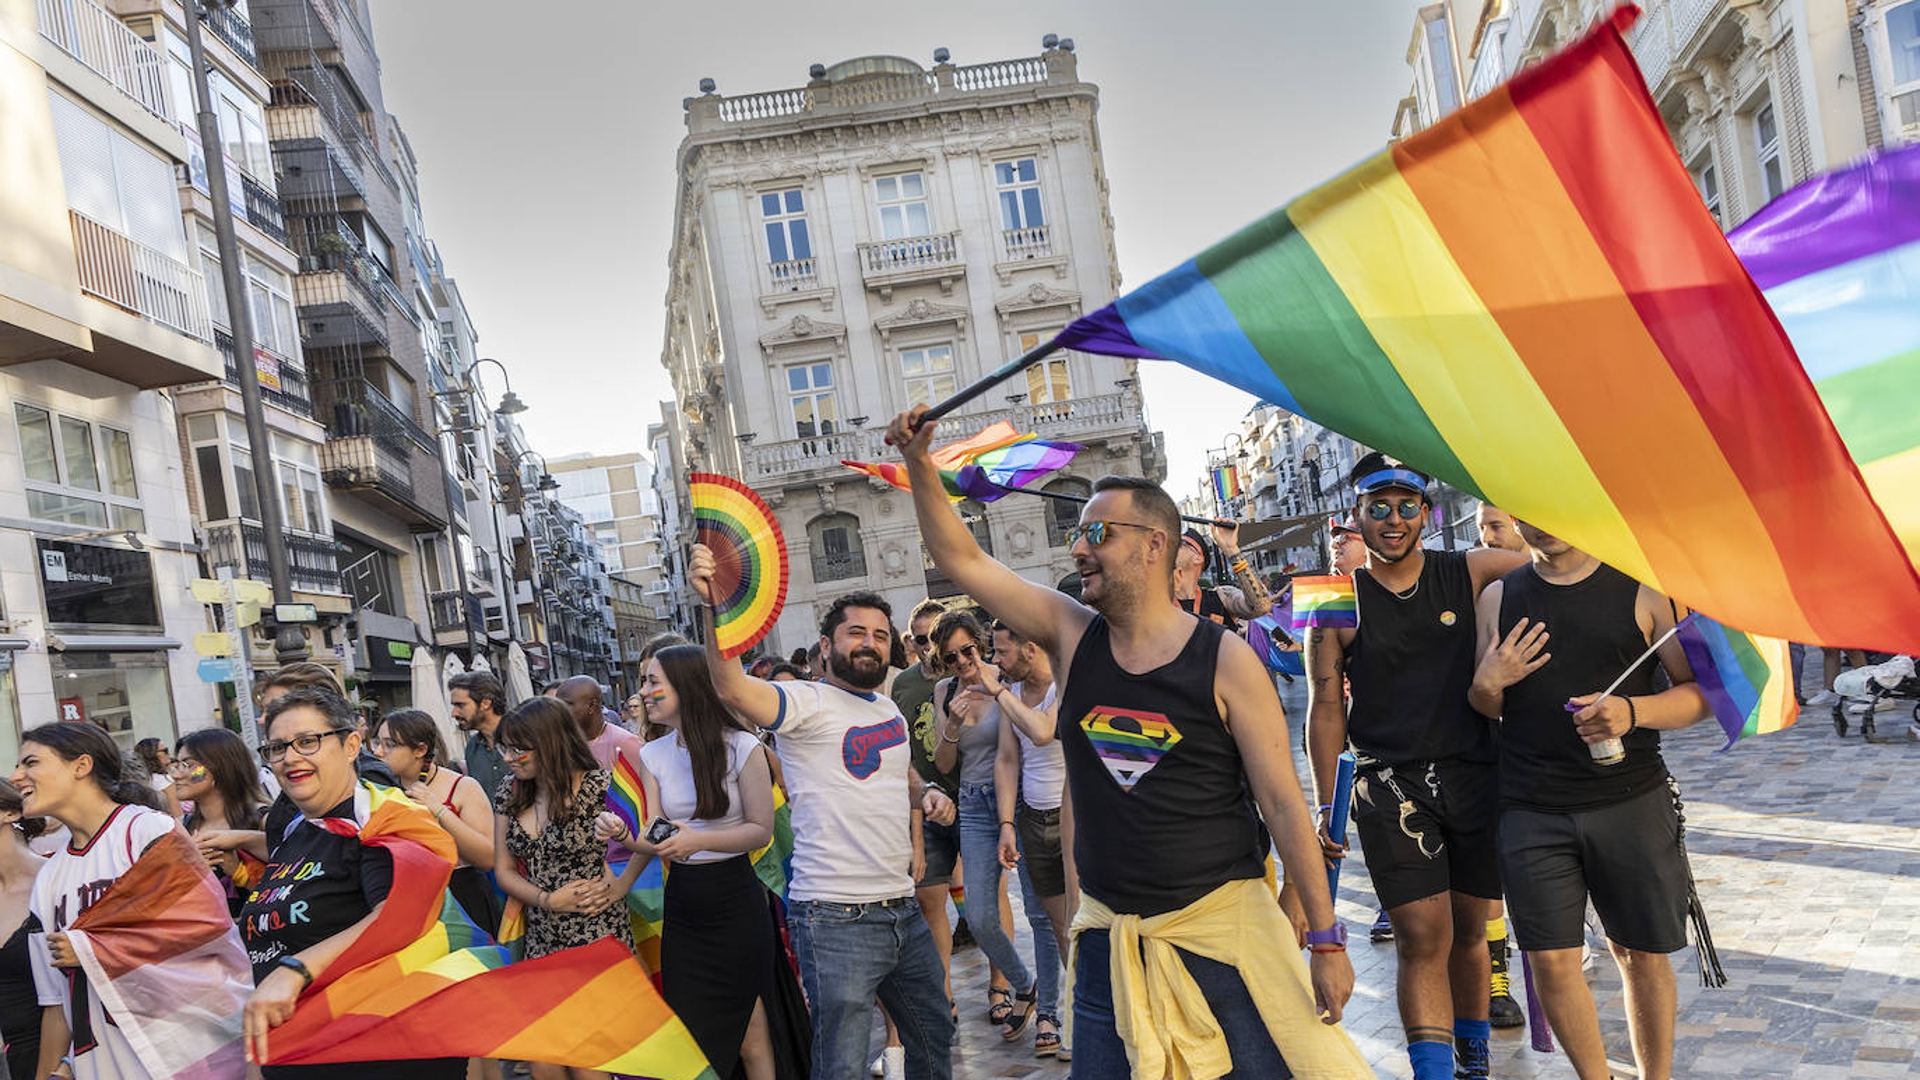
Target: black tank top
x=1208, y=605
x=1593, y=637
x=1161, y=811
x=1409, y=668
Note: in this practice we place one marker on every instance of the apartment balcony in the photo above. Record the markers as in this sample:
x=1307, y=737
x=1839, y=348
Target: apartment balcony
x=92, y=35
x=905, y=84
x=340, y=289
x=370, y=449
x=229, y=26
x=887, y=264
x=1029, y=249
x=838, y=566
x=136, y=278
x=310, y=170
x=793, y=275
x=282, y=381
x=313, y=562
x=263, y=208
x=458, y=617
x=319, y=26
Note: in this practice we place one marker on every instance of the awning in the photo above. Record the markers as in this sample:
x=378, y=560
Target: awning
x=108, y=642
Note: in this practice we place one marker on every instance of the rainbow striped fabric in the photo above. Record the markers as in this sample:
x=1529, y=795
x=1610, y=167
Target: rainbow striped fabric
x=985, y=467
x=1529, y=300
x=1326, y=602
x=626, y=795
x=750, y=568
x=1748, y=679
x=161, y=951
x=1226, y=484
x=412, y=984
x=1839, y=258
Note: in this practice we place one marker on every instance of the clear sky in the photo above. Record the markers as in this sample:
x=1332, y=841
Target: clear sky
x=546, y=135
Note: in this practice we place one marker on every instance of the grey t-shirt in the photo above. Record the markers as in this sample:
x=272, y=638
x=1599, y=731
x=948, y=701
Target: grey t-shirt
x=979, y=742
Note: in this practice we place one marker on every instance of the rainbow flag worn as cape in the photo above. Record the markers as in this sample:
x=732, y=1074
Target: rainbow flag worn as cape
x=1529, y=300
x=413, y=984
x=1326, y=602
x=985, y=466
x=161, y=950
x=1839, y=258
x=1747, y=679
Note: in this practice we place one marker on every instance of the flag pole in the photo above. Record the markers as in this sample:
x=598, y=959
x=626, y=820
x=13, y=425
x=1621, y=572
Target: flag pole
x=992, y=379
x=1651, y=649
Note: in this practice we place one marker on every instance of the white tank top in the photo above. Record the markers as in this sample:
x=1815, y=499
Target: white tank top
x=1043, y=769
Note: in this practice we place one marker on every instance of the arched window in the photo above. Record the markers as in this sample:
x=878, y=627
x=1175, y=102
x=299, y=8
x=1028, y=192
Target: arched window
x=837, y=554
x=1062, y=514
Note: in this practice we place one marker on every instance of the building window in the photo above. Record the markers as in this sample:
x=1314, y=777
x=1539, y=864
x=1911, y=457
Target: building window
x=1062, y=514
x=837, y=552
x=1766, y=136
x=785, y=215
x=810, y=397
x=124, y=693
x=903, y=206
x=1709, y=181
x=1047, y=381
x=928, y=372
x=1018, y=184
x=272, y=296
x=300, y=499
x=77, y=472
x=116, y=181
x=1903, y=47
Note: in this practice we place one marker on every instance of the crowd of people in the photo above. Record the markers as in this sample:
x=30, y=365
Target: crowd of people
x=1124, y=754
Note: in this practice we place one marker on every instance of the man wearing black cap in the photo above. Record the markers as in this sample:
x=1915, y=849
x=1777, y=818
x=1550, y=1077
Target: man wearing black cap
x=1425, y=800
x=1345, y=551
x=1227, y=605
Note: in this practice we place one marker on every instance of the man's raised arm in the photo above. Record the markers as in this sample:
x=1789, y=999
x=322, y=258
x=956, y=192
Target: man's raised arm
x=751, y=699
x=1038, y=613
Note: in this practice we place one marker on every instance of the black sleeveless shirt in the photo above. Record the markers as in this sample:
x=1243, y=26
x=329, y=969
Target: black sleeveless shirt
x=1593, y=637
x=1161, y=811
x=1409, y=668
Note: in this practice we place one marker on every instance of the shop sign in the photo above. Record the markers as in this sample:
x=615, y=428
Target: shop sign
x=91, y=585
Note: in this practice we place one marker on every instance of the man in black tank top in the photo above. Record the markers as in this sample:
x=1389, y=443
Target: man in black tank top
x=1176, y=755
x=1552, y=636
x=1424, y=792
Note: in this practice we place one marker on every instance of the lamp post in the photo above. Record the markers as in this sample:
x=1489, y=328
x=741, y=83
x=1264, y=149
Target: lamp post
x=545, y=485
x=289, y=643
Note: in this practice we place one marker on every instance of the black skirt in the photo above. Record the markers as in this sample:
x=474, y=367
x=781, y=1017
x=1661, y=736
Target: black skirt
x=717, y=953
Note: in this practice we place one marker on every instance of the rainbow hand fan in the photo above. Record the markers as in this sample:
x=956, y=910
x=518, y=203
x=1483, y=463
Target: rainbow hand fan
x=749, y=555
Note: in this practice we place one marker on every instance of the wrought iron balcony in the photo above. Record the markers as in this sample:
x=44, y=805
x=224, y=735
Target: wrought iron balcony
x=458, y=612
x=263, y=207
x=371, y=446
x=838, y=566
x=285, y=386
x=229, y=26
x=313, y=561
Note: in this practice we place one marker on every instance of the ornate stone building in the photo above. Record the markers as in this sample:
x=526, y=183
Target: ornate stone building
x=886, y=234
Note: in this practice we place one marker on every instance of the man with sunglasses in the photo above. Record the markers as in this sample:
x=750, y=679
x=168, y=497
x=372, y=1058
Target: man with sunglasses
x=1425, y=799
x=1176, y=752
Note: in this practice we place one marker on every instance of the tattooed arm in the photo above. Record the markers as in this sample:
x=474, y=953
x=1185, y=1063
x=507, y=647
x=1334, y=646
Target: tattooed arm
x=1326, y=732
x=1250, y=599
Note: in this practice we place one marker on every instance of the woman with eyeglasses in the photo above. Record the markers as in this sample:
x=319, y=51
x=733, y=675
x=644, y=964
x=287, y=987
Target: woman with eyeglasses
x=214, y=772
x=326, y=887
x=968, y=721
x=152, y=754
x=409, y=742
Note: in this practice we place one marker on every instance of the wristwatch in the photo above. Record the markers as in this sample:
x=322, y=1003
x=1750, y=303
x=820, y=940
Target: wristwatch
x=1336, y=936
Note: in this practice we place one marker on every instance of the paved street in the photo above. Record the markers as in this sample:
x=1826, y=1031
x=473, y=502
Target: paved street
x=1807, y=853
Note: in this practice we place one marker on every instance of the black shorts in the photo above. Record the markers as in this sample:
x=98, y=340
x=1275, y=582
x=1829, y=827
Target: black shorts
x=1440, y=841
x=942, y=846
x=1627, y=857
x=1040, y=856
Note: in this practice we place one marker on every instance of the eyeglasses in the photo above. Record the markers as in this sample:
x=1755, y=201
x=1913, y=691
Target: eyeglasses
x=1096, y=531
x=381, y=744
x=182, y=766
x=1381, y=509
x=305, y=745
x=953, y=657
x=515, y=753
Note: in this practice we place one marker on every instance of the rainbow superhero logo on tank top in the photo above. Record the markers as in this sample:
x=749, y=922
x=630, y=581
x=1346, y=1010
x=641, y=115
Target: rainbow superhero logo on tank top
x=1130, y=742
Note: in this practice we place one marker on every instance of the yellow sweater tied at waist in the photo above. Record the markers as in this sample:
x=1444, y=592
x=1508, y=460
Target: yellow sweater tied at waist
x=1164, y=1020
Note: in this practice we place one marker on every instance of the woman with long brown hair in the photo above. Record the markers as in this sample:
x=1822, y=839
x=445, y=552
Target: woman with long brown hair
x=214, y=771
x=545, y=852
x=409, y=742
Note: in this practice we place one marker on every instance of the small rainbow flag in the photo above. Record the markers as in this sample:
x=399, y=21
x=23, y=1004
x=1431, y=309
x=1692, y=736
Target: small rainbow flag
x=984, y=467
x=1226, y=483
x=1327, y=602
x=626, y=796
x=1747, y=679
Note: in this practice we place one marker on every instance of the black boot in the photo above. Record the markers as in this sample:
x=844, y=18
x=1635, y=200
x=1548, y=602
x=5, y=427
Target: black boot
x=1502, y=1010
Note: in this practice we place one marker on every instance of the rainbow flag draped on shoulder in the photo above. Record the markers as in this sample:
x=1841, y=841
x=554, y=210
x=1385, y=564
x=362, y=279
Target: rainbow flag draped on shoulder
x=161, y=950
x=414, y=983
x=1529, y=301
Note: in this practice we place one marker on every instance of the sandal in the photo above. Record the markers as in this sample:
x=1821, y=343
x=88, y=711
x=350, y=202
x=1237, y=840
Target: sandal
x=1046, y=1035
x=999, y=1004
x=1018, y=1019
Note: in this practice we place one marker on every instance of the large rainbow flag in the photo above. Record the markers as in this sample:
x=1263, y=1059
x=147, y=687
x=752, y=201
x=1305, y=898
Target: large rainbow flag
x=161, y=950
x=1839, y=258
x=414, y=982
x=1529, y=300
x=1747, y=679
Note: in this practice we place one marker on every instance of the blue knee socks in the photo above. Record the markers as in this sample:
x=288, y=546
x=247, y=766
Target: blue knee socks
x=1431, y=1060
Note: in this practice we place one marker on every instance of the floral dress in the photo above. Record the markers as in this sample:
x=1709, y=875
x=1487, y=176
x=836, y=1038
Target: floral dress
x=565, y=851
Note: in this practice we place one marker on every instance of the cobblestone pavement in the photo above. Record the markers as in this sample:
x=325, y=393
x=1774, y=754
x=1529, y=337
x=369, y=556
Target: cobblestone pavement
x=1806, y=848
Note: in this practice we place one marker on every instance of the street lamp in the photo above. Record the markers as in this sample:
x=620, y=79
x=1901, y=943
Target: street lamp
x=289, y=643
x=510, y=403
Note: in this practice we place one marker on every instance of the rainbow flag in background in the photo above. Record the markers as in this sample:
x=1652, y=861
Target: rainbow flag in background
x=412, y=984
x=770, y=862
x=1839, y=258
x=1226, y=483
x=1748, y=679
x=1529, y=301
x=984, y=466
x=626, y=795
x=1326, y=602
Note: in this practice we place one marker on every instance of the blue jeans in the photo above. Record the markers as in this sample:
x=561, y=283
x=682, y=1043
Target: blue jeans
x=980, y=859
x=1098, y=1052
x=848, y=954
x=1046, y=948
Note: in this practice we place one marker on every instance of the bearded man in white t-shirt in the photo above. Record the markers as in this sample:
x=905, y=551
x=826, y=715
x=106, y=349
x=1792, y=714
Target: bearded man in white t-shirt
x=857, y=806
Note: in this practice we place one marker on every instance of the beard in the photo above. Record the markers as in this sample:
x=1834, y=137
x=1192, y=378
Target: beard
x=862, y=669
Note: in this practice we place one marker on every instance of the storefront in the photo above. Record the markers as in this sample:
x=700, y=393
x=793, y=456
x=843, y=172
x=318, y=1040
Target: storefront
x=9, y=703
x=106, y=650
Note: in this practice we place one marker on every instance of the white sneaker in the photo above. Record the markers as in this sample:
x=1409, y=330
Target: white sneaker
x=1824, y=697
x=879, y=1066
x=893, y=1062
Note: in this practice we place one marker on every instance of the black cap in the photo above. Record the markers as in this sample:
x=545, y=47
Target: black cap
x=1377, y=472
x=1199, y=541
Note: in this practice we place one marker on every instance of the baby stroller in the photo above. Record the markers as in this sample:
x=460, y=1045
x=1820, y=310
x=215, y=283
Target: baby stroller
x=1877, y=688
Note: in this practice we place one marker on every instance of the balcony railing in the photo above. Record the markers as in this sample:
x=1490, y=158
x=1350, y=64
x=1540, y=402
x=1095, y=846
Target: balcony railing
x=1029, y=243
x=127, y=273
x=371, y=441
x=914, y=253
x=263, y=205
x=228, y=25
x=883, y=88
x=313, y=562
x=458, y=611
x=838, y=566
x=293, y=393
x=90, y=34
x=792, y=275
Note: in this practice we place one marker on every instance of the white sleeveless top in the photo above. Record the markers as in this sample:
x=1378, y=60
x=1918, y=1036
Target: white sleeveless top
x=672, y=769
